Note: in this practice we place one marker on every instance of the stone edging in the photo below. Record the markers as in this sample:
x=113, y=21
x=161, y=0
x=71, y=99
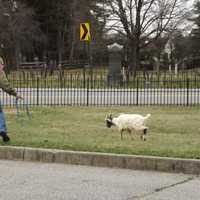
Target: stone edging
x=187, y=166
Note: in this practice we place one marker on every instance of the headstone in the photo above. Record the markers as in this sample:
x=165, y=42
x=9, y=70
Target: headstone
x=115, y=61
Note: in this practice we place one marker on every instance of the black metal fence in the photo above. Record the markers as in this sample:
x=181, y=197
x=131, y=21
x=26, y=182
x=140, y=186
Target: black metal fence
x=90, y=89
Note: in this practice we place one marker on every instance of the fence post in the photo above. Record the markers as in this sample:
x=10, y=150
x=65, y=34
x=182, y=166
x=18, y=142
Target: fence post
x=61, y=78
x=88, y=81
x=84, y=77
x=137, y=92
x=37, y=91
x=188, y=85
x=91, y=76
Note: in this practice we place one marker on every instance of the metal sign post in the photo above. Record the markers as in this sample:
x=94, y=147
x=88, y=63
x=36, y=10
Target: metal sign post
x=85, y=36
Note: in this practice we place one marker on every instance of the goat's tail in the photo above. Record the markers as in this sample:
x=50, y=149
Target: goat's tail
x=147, y=116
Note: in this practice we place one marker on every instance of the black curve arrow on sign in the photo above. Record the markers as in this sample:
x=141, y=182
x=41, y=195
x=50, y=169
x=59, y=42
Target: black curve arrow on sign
x=85, y=31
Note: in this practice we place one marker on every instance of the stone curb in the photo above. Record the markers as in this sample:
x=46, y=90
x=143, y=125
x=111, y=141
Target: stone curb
x=176, y=165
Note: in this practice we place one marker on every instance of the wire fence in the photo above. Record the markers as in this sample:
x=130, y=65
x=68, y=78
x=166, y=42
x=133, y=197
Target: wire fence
x=90, y=89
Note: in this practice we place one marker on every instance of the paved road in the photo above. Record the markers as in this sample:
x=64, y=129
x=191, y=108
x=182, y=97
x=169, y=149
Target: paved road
x=42, y=181
x=78, y=96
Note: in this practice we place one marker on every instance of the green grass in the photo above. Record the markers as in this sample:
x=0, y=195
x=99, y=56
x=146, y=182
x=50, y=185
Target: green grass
x=174, y=131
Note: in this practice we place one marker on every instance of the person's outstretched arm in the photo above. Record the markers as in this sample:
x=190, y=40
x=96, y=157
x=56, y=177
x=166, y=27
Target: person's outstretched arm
x=5, y=85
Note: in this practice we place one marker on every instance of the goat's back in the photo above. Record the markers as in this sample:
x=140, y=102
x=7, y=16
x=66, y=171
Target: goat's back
x=130, y=120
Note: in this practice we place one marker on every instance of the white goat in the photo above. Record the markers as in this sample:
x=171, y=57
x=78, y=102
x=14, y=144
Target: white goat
x=129, y=122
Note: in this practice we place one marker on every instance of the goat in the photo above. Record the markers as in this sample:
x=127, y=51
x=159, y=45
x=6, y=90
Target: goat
x=129, y=122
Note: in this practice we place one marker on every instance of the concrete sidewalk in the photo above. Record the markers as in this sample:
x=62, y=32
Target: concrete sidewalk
x=21, y=180
x=187, y=166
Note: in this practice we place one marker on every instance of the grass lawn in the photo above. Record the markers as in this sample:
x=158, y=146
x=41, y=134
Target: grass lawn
x=174, y=131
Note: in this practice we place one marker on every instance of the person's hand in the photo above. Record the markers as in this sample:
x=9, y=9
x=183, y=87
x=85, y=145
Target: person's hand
x=19, y=97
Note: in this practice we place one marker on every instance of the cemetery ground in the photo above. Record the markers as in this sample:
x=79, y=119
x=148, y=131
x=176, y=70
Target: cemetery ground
x=173, y=131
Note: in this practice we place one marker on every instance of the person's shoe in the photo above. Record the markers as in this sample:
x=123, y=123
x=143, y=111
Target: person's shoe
x=6, y=138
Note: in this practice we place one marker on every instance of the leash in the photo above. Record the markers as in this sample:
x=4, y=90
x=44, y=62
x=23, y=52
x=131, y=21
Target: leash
x=25, y=106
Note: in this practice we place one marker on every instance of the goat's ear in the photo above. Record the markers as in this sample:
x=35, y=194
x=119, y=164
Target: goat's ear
x=110, y=116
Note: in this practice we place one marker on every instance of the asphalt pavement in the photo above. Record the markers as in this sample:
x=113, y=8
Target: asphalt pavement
x=22, y=180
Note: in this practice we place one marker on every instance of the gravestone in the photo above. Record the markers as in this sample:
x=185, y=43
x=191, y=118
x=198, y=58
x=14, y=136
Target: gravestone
x=115, y=61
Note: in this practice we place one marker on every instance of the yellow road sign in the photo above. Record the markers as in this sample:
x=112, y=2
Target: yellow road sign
x=84, y=32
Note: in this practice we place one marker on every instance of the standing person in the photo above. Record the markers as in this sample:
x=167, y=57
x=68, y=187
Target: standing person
x=5, y=86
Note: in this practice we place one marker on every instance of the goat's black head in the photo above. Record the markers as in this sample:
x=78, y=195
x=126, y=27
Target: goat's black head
x=108, y=120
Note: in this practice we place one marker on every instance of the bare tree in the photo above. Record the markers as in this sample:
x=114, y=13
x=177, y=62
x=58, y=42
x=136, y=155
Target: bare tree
x=19, y=31
x=143, y=21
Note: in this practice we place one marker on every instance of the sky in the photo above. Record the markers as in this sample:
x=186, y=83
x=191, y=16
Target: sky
x=186, y=25
x=190, y=2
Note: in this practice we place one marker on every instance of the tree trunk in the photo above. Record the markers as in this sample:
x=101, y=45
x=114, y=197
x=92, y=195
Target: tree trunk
x=16, y=54
x=73, y=43
x=74, y=24
x=134, y=57
x=59, y=46
x=137, y=54
x=138, y=34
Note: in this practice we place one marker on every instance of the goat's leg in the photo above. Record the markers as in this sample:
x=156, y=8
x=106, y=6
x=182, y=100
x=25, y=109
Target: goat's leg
x=131, y=133
x=141, y=136
x=121, y=131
